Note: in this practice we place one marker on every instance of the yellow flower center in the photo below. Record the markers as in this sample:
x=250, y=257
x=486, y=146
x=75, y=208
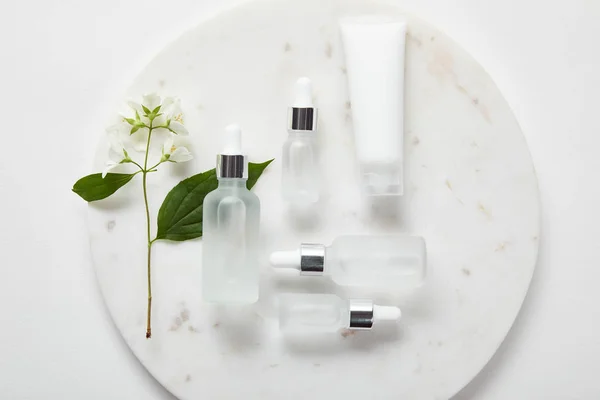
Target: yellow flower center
x=179, y=118
x=173, y=148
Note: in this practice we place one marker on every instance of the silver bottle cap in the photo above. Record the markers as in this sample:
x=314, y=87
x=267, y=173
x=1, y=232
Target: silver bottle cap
x=312, y=259
x=232, y=166
x=302, y=119
x=302, y=115
x=361, y=314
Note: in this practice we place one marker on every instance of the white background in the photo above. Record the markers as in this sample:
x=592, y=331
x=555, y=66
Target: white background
x=64, y=63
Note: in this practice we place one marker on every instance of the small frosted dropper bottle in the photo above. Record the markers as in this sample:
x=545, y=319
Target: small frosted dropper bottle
x=301, y=313
x=300, y=175
x=395, y=261
x=231, y=216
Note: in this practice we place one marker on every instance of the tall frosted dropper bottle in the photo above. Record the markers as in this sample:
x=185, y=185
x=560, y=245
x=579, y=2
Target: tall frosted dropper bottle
x=231, y=216
x=300, y=175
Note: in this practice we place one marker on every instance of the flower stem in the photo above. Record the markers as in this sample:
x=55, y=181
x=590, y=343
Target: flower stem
x=154, y=166
x=138, y=165
x=149, y=257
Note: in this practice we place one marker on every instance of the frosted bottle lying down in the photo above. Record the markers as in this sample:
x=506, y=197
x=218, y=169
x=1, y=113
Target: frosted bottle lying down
x=391, y=261
x=231, y=217
x=300, y=175
x=301, y=313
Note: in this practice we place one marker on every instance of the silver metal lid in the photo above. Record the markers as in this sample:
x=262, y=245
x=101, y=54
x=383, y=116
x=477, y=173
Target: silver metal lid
x=232, y=166
x=302, y=118
x=361, y=314
x=312, y=259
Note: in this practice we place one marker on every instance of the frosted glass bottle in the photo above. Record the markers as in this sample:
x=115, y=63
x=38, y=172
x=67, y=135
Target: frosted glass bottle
x=394, y=261
x=231, y=218
x=301, y=313
x=300, y=174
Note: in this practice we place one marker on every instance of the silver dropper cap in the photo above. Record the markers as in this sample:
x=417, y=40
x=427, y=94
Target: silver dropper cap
x=232, y=166
x=309, y=259
x=312, y=259
x=362, y=314
x=302, y=119
x=231, y=163
x=302, y=116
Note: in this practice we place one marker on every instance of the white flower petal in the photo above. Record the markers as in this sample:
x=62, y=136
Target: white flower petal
x=178, y=128
x=167, y=103
x=120, y=128
x=139, y=139
x=117, y=134
x=118, y=131
x=135, y=106
x=168, y=145
x=110, y=165
x=116, y=155
x=159, y=137
x=151, y=101
x=181, y=141
x=161, y=120
x=171, y=106
x=181, y=154
x=115, y=145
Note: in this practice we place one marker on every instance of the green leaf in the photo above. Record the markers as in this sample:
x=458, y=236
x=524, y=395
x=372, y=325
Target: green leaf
x=134, y=129
x=255, y=171
x=180, y=215
x=156, y=110
x=130, y=121
x=93, y=187
x=146, y=110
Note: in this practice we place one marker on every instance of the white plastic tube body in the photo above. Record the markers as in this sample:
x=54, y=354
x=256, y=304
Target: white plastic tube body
x=374, y=50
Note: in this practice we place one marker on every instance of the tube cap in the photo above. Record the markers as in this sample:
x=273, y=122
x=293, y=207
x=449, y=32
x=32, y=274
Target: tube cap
x=383, y=179
x=231, y=163
x=302, y=115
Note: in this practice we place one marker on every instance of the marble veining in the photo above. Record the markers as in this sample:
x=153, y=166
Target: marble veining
x=471, y=192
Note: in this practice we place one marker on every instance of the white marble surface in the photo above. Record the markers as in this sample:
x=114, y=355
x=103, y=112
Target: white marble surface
x=471, y=192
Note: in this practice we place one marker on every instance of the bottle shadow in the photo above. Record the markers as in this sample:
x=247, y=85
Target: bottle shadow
x=289, y=281
x=385, y=211
x=304, y=218
x=237, y=329
x=342, y=341
x=124, y=199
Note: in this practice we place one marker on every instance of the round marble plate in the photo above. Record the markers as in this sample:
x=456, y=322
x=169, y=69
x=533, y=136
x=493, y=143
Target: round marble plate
x=471, y=191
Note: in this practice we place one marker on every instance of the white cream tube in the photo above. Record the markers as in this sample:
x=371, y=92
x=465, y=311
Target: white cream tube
x=374, y=49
